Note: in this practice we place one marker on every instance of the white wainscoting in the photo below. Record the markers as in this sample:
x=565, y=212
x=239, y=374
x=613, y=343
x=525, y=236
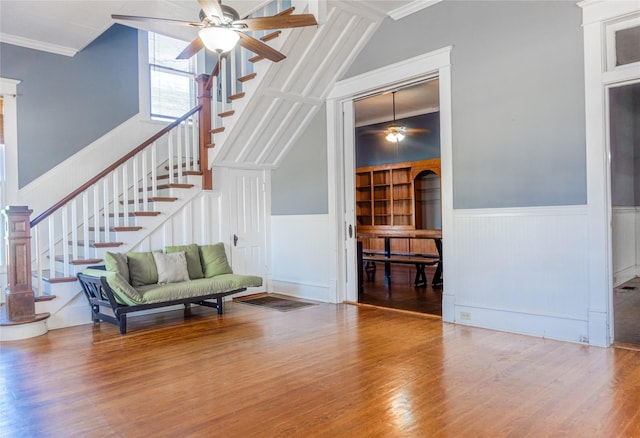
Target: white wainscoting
x=300, y=256
x=625, y=243
x=522, y=270
x=198, y=221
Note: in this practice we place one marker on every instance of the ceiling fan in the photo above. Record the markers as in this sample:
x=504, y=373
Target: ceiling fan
x=221, y=28
x=395, y=132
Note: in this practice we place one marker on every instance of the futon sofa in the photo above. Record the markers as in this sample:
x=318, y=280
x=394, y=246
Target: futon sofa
x=135, y=281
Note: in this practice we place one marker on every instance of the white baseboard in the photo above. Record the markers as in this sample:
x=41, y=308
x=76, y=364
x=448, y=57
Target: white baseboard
x=562, y=329
x=306, y=291
x=624, y=275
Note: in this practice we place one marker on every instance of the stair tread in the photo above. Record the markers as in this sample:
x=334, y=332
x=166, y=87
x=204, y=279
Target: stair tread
x=42, y=298
x=227, y=113
x=217, y=130
x=236, y=96
x=169, y=186
x=175, y=166
x=93, y=244
x=60, y=258
x=118, y=228
x=184, y=172
x=138, y=213
x=247, y=77
x=57, y=278
x=270, y=36
x=153, y=199
x=256, y=58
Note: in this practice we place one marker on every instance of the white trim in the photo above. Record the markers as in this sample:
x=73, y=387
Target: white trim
x=37, y=45
x=9, y=90
x=9, y=86
x=144, y=82
x=403, y=71
x=423, y=67
x=610, y=40
x=410, y=8
x=600, y=266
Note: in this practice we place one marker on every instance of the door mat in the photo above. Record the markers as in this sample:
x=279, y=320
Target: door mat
x=281, y=304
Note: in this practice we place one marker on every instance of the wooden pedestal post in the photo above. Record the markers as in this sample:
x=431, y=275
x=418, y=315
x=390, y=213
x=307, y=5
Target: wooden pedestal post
x=19, y=294
x=204, y=99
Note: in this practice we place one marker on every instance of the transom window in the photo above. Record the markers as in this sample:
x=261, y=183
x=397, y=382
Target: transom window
x=172, y=81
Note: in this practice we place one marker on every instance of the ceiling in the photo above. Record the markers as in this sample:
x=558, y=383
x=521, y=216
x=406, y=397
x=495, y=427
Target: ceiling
x=66, y=27
x=411, y=101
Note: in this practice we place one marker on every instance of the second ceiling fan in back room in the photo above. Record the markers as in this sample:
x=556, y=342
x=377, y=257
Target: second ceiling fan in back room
x=221, y=28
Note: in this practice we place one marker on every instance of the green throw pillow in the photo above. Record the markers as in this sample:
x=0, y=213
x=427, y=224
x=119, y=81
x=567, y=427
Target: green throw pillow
x=193, y=259
x=117, y=262
x=142, y=268
x=214, y=260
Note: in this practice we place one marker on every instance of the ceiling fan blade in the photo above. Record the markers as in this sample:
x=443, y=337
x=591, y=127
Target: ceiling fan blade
x=424, y=130
x=211, y=8
x=194, y=47
x=160, y=20
x=277, y=22
x=259, y=48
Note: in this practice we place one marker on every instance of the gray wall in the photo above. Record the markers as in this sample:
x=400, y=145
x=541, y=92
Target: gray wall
x=625, y=145
x=66, y=103
x=299, y=185
x=517, y=95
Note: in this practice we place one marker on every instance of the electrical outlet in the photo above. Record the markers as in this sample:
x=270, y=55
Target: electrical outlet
x=465, y=316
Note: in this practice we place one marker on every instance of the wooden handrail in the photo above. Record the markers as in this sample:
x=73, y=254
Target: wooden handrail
x=109, y=169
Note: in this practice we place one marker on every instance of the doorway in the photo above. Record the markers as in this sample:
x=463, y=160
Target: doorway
x=624, y=146
x=397, y=198
x=341, y=147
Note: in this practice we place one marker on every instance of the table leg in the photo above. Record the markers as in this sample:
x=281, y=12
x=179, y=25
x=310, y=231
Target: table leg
x=387, y=254
x=437, y=277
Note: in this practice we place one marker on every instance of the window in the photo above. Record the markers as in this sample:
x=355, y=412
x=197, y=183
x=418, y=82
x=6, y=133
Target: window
x=173, y=90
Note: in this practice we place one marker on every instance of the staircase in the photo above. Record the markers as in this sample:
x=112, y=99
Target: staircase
x=165, y=182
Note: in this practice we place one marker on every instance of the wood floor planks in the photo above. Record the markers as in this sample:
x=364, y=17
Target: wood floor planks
x=326, y=370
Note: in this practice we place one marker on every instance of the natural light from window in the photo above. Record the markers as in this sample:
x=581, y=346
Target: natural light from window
x=172, y=81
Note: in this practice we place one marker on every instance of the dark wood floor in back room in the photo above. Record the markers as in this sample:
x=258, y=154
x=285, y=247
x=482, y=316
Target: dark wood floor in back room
x=626, y=313
x=400, y=293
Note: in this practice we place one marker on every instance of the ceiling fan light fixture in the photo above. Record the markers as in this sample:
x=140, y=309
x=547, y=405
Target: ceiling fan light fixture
x=395, y=133
x=218, y=39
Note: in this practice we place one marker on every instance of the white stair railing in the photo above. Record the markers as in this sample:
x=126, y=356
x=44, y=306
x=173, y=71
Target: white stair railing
x=77, y=230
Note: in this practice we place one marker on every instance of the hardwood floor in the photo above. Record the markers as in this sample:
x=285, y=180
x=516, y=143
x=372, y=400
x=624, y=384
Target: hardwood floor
x=325, y=370
x=400, y=293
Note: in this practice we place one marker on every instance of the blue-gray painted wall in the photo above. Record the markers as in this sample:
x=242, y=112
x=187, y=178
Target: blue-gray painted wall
x=373, y=149
x=65, y=103
x=299, y=185
x=517, y=96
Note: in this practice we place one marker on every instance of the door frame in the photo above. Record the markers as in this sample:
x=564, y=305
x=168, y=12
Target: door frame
x=596, y=17
x=341, y=161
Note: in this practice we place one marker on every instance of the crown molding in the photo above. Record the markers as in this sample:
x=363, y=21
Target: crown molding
x=37, y=45
x=412, y=7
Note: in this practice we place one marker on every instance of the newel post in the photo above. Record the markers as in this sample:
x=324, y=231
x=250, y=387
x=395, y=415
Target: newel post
x=19, y=294
x=204, y=99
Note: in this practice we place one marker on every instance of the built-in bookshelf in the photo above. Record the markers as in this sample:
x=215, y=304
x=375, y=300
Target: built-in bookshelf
x=386, y=195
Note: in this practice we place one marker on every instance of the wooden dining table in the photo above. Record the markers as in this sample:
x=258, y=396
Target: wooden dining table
x=435, y=235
